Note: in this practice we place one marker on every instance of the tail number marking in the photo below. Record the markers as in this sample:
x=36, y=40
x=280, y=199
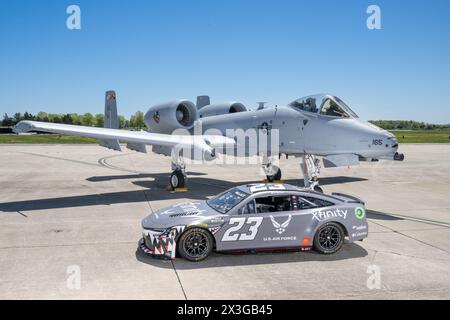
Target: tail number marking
x=232, y=233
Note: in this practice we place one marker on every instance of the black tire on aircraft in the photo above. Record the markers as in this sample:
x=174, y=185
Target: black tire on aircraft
x=329, y=238
x=177, y=179
x=275, y=176
x=195, y=244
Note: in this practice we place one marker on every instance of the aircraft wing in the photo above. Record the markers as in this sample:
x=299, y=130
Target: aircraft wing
x=205, y=143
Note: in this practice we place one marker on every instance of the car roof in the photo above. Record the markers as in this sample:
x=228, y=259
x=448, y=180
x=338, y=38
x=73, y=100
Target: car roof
x=254, y=188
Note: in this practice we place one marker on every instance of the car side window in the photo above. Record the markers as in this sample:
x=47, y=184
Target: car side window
x=248, y=208
x=301, y=204
x=273, y=204
x=319, y=203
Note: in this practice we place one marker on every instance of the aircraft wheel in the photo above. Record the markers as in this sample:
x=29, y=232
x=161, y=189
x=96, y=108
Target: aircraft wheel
x=329, y=238
x=177, y=179
x=195, y=244
x=276, y=175
x=318, y=189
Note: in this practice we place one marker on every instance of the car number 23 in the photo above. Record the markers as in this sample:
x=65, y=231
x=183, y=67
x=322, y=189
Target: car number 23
x=232, y=233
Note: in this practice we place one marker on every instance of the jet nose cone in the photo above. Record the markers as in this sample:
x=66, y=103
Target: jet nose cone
x=392, y=140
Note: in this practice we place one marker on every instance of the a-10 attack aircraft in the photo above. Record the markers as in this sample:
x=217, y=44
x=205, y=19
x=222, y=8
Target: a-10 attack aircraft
x=317, y=125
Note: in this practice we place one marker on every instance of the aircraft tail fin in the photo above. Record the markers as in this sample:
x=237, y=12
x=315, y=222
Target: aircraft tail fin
x=202, y=101
x=111, y=118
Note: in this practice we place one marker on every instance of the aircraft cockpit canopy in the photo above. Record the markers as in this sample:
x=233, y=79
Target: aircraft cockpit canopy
x=324, y=104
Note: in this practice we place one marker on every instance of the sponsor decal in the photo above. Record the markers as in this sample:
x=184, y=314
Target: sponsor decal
x=280, y=228
x=325, y=214
x=360, y=213
x=359, y=234
x=286, y=238
x=359, y=228
x=191, y=213
x=187, y=209
x=217, y=220
x=156, y=117
x=213, y=230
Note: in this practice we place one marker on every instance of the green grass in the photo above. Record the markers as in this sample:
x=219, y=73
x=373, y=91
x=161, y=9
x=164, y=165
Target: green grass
x=432, y=136
x=44, y=138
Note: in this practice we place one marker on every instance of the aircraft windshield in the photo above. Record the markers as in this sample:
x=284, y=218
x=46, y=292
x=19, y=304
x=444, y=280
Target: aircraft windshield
x=310, y=103
x=341, y=109
x=328, y=106
x=227, y=200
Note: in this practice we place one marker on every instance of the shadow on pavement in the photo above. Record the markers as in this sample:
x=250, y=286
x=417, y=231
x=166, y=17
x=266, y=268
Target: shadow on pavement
x=200, y=188
x=348, y=251
x=377, y=215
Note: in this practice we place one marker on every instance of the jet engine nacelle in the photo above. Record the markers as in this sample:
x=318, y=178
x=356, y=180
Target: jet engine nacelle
x=169, y=116
x=221, y=108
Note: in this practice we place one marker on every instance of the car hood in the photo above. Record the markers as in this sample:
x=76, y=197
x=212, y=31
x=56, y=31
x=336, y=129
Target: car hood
x=180, y=214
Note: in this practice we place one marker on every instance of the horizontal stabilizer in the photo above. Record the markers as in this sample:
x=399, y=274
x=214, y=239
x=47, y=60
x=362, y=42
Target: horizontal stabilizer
x=340, y=160
x=111, y=144
x=139, y=147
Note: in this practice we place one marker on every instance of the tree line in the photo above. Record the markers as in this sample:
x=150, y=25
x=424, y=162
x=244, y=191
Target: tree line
x=136, y=121
x=408, y=125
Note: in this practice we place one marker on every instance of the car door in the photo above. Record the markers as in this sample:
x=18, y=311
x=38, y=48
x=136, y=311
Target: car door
x=241, y=228
x=278, y=229
x=265, y=220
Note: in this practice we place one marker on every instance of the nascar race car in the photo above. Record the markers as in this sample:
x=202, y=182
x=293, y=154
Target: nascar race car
x=255, y=217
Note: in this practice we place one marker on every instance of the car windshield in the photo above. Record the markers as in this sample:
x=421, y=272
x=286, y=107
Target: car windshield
x=227, y=200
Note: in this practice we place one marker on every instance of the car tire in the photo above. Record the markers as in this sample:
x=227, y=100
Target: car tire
x=329, y=238
x=195, y=244
x=275, y=176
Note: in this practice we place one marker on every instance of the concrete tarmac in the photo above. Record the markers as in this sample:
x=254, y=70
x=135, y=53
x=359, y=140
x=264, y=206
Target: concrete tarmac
x=75, y=210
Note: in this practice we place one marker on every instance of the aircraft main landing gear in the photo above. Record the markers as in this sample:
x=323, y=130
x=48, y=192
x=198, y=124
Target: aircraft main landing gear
x=178, y=177
x=311, y=170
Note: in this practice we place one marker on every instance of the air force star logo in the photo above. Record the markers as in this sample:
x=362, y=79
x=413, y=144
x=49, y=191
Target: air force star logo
x=280, y=228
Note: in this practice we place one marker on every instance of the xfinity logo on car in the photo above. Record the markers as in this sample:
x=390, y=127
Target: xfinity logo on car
x=323, y=215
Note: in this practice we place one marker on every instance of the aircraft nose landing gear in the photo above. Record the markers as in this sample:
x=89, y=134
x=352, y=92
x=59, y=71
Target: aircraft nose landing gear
x=311, y=170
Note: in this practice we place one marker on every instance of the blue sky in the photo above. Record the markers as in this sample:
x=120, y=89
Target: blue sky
x=276, y=51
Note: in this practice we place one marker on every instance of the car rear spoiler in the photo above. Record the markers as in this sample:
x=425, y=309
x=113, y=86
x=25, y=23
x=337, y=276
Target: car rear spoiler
x=347, y=198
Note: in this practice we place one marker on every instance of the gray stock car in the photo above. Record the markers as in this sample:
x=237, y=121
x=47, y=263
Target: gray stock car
x=255, y=217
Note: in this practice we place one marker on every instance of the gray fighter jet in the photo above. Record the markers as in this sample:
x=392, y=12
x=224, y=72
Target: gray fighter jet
x=317, y=125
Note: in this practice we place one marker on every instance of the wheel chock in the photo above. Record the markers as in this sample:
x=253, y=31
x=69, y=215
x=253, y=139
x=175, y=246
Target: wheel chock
x=274, y=181
x=170, y=189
